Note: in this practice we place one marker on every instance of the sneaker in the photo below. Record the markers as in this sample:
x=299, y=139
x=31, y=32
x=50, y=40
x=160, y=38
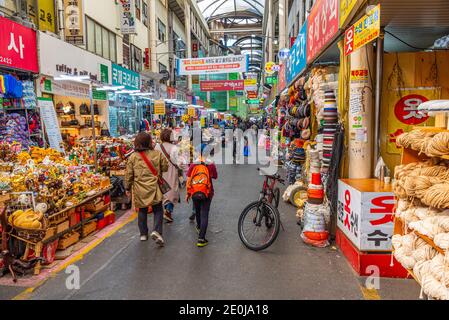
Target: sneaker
x=143, y=238
x=168, y=217
x=193, y=216
x=202, y=243
x=157, y=238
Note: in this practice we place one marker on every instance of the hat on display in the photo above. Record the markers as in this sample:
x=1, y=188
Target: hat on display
x=305, y=134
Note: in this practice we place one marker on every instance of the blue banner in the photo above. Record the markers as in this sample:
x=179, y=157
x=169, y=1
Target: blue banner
x=297, y=60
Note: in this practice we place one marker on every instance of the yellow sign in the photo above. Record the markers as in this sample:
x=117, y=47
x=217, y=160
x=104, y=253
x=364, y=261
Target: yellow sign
x=403, y=114
x=346, y=7
x=203, y=122
x=250, y=82
x=269, y=67
x=232, y=101
x=363, y=31
x=191, y=111
x=159, y=107
x=46, y=15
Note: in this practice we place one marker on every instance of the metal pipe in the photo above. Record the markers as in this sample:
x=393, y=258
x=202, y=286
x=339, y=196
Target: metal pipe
x=94, y=135
x=378, y=96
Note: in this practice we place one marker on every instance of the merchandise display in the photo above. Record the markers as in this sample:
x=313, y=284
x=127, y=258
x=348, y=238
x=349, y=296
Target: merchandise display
x=421, y=187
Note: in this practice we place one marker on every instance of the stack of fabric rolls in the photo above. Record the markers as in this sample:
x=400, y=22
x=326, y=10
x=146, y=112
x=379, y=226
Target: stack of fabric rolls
x=329, y=127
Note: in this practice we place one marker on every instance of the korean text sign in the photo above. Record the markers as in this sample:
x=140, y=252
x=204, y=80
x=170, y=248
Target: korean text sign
x=363, y=31
x=366, y=218
x=224, y=64
x=297, y=60
x=124, y=77
x=128, y=16
x=323, y=23
x=222, y=85
x=18, y=46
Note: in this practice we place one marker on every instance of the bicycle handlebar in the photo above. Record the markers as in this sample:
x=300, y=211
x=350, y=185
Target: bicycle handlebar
x=275, y=177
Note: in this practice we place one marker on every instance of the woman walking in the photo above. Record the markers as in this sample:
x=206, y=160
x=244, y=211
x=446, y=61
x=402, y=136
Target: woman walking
x=145, y=186
x=170, y=152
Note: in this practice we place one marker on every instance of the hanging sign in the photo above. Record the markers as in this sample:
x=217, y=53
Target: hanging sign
x=251, y=94
x=297, y=61
x=283, y=54
x=191, y=111
x=221, y=85
x=159, y=107
x=363, y=31
x=323, y=23
x=128, y=16
x=251, y=84
x=50, y=120
x=18, y=48
x=74, y=21
x=224, y=64
x=252, y=101
x=124, y=77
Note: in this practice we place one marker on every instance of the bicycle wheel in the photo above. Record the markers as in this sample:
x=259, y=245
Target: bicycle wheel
x=276, y=197
x=259, y=225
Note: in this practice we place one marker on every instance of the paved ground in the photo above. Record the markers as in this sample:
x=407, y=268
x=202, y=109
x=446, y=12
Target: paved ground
x=122, y=267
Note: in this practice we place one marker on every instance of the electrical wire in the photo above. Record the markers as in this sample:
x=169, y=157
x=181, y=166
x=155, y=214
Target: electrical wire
x=411, y=46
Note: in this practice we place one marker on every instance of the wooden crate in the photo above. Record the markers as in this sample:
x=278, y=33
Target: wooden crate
x=89, y=228
x=68, y=240
x=51, y=231
x=58, y=218
x=63, y=226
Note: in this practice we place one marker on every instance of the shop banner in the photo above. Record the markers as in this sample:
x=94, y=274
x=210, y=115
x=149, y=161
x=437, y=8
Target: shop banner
x=403, y=112
x=124, y=77
x=221, y=85
x=46, y=16
x=74, y=22
x=57, y=58
x=128, y=16
x=51, y=123
x=191, y=111
x=159, y=107
x=346, y=8
x=297, y=61
x=250, y=84
x=282, y=78
x=363, y=31
x=18, y=47
x=323, y=24
x=224, y=64
x=366, y=218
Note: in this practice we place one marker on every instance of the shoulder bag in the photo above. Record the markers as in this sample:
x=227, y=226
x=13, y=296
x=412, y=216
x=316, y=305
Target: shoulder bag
x=180, y=171
x=163, y=185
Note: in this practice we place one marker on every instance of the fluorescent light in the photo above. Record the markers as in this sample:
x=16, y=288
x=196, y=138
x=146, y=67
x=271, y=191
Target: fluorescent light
x=142, y=94
x=111, y=88
x=127, y=91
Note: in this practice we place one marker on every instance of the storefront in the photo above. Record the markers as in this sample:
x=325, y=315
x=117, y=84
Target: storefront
x=20, y=120
x=71, y=99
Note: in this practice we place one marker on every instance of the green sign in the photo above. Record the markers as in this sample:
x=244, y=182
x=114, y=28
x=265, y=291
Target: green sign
x=48, y=86
x=252, y=101
x=124, y=77
x=99, y=95
x=271, y=80
x=104, y=73
x=233, y=76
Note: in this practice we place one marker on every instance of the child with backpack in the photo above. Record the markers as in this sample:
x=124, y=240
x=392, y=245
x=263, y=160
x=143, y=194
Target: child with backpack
x=201, y=190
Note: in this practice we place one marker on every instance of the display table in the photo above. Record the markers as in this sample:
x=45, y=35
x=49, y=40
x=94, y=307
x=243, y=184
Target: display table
x=365, y=225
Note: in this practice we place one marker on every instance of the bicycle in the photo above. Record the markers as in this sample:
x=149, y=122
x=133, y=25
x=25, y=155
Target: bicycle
x=262, y=216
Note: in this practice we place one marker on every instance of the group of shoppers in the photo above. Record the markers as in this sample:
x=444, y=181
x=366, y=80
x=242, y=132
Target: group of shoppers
x=151, y=168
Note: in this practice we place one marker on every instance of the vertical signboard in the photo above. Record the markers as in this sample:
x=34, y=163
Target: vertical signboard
x=74, y=21
x=346, y=7
x=297, y=60
x=50, y=120
x=128, y=16
x=46, y=15
x=323, y=24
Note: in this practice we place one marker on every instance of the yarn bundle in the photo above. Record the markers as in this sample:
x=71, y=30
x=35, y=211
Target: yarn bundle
x=430, y=143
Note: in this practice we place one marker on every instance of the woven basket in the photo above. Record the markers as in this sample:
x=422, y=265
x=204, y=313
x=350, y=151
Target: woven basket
x=33, y=235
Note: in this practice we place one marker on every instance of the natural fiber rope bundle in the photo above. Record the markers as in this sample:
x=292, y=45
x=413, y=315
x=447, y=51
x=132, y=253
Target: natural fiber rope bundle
x=443, y=222
x=404, y=258
x=434, y=288
x=413, y=139
x=439, y=270
x=442, y=241
x=424, y=253
x=402, y=205
x=439, y=145
x=437, y=196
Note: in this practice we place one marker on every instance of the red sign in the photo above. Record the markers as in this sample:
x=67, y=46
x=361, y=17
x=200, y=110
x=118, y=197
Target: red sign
x=292, y=41
x=222, y=85
x=18, y=46
x=171, y=92
x=349, y=41
x=406, y=110
x=322, y=26
x=282, y=78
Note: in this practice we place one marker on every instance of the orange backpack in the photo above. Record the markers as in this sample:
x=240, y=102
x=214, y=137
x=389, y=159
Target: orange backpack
x=198, y=184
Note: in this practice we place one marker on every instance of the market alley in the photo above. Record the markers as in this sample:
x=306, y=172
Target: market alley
x=122, y=267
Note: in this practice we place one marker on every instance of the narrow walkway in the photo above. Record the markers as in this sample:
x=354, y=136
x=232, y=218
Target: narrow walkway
x=122, y=267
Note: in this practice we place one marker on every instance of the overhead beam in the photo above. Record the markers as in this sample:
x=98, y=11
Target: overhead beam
x=237, y=30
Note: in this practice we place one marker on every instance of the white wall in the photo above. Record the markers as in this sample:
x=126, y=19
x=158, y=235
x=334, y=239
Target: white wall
x=162, y=48
x=105, y=12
